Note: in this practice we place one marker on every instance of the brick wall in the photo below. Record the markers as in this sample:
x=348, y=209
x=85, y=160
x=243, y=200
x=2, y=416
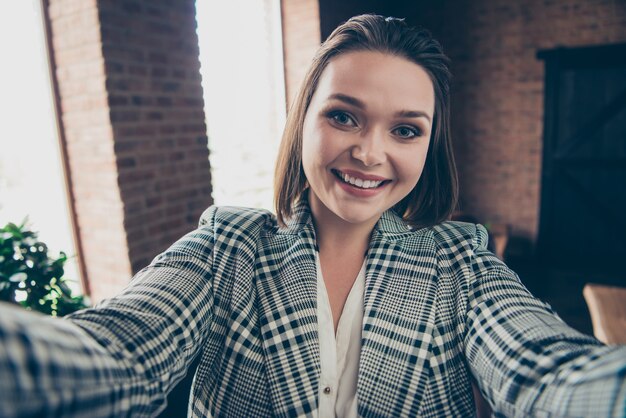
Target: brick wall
x=301, y=38
x=89, y=142
x=498, y=94
x=132, y=112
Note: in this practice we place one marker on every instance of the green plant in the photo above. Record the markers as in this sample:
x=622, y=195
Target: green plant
x=30, y=277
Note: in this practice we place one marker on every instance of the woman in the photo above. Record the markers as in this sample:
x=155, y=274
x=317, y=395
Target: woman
x=356, y=300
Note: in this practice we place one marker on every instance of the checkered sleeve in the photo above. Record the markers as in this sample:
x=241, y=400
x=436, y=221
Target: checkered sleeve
x=119, y=358
x=526, y=360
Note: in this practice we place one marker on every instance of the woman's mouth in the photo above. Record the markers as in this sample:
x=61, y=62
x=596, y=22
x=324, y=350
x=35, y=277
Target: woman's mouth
x=365, y=184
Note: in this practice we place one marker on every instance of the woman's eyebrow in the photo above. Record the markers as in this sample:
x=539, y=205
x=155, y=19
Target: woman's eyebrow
x=348, y=100
x=412, y=114
x=353, y=101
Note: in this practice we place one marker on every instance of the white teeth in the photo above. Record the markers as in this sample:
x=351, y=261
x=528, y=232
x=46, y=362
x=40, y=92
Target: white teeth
x=363, y=184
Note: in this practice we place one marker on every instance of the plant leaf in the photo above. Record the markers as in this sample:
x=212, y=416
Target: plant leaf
x=18, y=277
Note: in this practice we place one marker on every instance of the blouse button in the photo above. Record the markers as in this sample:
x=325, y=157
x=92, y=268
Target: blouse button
x=327, y=390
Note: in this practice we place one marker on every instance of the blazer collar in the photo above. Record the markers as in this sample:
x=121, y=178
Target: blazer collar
x=287, y=292
x=398, y=320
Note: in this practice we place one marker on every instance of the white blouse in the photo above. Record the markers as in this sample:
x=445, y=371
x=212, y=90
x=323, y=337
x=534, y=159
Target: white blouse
x=339, y=354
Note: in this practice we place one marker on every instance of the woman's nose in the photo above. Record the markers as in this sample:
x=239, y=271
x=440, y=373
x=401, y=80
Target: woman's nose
x=369, y=149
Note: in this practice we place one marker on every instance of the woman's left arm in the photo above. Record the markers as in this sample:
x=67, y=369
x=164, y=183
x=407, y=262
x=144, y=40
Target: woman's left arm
x=527, y=361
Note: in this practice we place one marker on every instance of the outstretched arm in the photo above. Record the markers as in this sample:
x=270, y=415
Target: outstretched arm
x=120, y=358
x=527, y=361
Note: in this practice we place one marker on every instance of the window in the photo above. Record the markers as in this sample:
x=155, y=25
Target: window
x=243, y=82
x=31, y=176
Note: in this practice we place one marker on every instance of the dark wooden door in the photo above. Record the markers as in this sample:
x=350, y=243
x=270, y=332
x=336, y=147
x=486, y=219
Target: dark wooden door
x=583, y=199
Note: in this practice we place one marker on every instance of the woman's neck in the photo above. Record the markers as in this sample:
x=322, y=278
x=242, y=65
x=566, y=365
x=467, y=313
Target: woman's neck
x=337, y=236
x=342, y=239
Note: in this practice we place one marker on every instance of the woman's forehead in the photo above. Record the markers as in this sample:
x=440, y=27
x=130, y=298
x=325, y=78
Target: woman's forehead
x=377, y=78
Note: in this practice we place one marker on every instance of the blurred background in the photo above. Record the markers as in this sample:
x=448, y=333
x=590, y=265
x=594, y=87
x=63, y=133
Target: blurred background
x=122, y=120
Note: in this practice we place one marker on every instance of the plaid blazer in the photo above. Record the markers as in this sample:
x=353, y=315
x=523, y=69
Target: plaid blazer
x=241, y=292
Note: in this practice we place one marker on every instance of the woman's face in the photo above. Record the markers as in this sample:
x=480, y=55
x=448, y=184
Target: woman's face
x=365, y=136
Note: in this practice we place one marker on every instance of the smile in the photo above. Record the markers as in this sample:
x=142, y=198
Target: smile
x=359, y=182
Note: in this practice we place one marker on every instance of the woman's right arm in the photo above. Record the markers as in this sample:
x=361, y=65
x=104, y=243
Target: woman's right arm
x=120, y=358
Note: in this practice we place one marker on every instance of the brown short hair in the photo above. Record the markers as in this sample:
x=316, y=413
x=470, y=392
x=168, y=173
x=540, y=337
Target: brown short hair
x=434, y=197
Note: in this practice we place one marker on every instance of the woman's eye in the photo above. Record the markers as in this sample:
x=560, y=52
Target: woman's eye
x=342, y=118
x=407, y=132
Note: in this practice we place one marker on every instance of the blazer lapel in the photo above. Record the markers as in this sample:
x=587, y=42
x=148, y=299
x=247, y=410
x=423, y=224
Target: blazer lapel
x=398, y=320
x=287, y=289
